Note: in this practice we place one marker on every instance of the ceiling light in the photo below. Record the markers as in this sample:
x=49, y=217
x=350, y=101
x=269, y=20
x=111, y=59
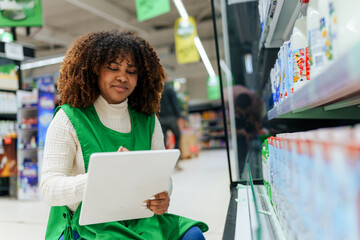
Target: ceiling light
x=248, y=63
x=204, y=57
x=41, y=63
x=181, y=9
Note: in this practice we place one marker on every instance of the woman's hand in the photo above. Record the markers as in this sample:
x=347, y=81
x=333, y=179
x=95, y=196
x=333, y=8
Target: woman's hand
x=159, y=204
x=122, y=149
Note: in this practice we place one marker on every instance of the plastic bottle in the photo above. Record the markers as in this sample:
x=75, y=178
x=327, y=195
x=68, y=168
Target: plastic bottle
x=326, y=31
x=289, y=68
x=316, y=50
x=300, y=54
x=346, y=24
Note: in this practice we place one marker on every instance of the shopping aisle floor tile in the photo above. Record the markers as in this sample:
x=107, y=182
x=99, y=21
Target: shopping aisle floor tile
x=22, y=219
x=200, y=191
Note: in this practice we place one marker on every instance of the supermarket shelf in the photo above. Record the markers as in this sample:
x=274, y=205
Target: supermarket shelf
x=212, y=120
x=334, y=88
x=215, y=128
x=28, y=129
x=28, y=108
x=7, y=90
x=215, y=105
x=279, y=28
x=212, y=148
x=8, y=116
x=207, y=138
x=28, y=149
x=7, y=50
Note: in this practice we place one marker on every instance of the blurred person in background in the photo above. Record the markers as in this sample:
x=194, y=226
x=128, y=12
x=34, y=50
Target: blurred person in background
x=245, y=127
x=170, y=115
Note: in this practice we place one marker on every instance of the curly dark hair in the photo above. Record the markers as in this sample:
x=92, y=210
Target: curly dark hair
x=79, y=72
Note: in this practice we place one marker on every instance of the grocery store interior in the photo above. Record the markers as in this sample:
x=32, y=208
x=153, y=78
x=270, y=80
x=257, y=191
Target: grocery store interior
x=269, y=95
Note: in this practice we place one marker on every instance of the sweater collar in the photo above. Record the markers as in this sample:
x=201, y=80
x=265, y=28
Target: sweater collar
x=104, y=108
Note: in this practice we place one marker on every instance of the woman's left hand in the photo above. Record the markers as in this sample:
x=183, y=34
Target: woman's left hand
x=160, y=204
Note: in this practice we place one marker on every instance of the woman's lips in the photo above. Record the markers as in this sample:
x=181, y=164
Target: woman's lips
x=120, y=88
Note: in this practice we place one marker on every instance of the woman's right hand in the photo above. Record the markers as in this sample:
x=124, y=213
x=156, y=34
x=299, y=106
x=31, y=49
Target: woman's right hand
x=123, y=149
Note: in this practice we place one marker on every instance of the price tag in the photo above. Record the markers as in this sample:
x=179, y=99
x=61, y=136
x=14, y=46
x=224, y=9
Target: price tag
x=14, y=51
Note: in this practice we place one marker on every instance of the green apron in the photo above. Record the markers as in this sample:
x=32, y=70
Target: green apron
x=95, y=137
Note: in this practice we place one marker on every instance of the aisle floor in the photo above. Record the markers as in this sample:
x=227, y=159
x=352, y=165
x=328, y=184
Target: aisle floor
x=201, y=192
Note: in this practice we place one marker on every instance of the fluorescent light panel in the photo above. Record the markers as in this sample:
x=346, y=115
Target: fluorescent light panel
x=181, y=9
x=42, y=63
x=248, y=63
x=204, y=57
x=184, y=15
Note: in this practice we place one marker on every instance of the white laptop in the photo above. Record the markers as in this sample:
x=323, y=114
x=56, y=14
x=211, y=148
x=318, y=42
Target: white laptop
x=119, y=182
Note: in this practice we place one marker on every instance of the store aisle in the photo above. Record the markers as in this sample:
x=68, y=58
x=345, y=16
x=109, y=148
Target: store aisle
x=201, y=191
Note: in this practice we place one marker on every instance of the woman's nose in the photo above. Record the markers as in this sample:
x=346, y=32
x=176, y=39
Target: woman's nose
x=121, y=78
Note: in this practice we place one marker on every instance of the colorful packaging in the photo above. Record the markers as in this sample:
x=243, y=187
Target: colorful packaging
x=290, y=70
x=300, y=54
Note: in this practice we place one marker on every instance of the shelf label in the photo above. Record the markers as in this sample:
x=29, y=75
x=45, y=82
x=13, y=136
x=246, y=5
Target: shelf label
x=14, y=51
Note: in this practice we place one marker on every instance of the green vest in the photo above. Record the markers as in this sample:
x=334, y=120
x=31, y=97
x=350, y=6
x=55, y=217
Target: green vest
x=95, y=137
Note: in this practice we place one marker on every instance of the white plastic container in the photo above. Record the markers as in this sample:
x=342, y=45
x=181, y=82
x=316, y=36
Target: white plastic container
x=289, y=68
x=316, y=50
x=300, y=54
x=326, y=30
x=348, y=29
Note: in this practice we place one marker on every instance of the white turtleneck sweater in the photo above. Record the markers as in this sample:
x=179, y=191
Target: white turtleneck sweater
x=63, y=174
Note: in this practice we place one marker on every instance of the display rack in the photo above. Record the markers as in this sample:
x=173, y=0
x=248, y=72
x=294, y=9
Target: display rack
x=264, y=223
x=326, y=96
x=27, y=119
x=211, y=128
x=251, y=214
x=12, y=53
x=332, y=95
x=213, y=136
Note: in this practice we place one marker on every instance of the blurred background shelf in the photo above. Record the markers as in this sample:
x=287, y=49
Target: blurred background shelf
x=8, y=116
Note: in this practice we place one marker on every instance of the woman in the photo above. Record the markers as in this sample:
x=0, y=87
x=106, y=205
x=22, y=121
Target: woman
x=110, y=86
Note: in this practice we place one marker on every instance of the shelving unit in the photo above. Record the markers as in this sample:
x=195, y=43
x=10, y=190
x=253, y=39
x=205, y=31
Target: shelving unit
x=331, y=99
x=278, y=28
x=213, y=136
x=210, y=126
x=325, y=96
x=10, y=54
x=28, y=165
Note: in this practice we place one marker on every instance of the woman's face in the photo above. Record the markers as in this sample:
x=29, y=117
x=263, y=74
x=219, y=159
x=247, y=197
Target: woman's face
x=118, y=80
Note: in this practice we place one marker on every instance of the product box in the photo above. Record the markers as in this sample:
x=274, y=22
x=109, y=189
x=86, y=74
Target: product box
x=189, y=145
x=46, y=108
x=28, y=180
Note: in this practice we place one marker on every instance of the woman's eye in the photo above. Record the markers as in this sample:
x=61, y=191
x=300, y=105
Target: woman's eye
x=132, y=72
x=112, y=69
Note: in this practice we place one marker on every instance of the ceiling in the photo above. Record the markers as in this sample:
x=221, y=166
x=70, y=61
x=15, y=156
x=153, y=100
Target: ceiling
x=64, y=20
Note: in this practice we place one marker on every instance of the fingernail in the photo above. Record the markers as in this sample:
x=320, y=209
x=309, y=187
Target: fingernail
x=144, y=204
x=120, y=148
x=152, y=198
x=144, y=207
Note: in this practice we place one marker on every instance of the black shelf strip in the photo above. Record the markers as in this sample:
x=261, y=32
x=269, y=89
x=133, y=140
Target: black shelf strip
x=7, y=116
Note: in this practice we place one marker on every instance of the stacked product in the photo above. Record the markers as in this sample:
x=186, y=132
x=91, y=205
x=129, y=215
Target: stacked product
x=314, y=182
x=328, y=31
